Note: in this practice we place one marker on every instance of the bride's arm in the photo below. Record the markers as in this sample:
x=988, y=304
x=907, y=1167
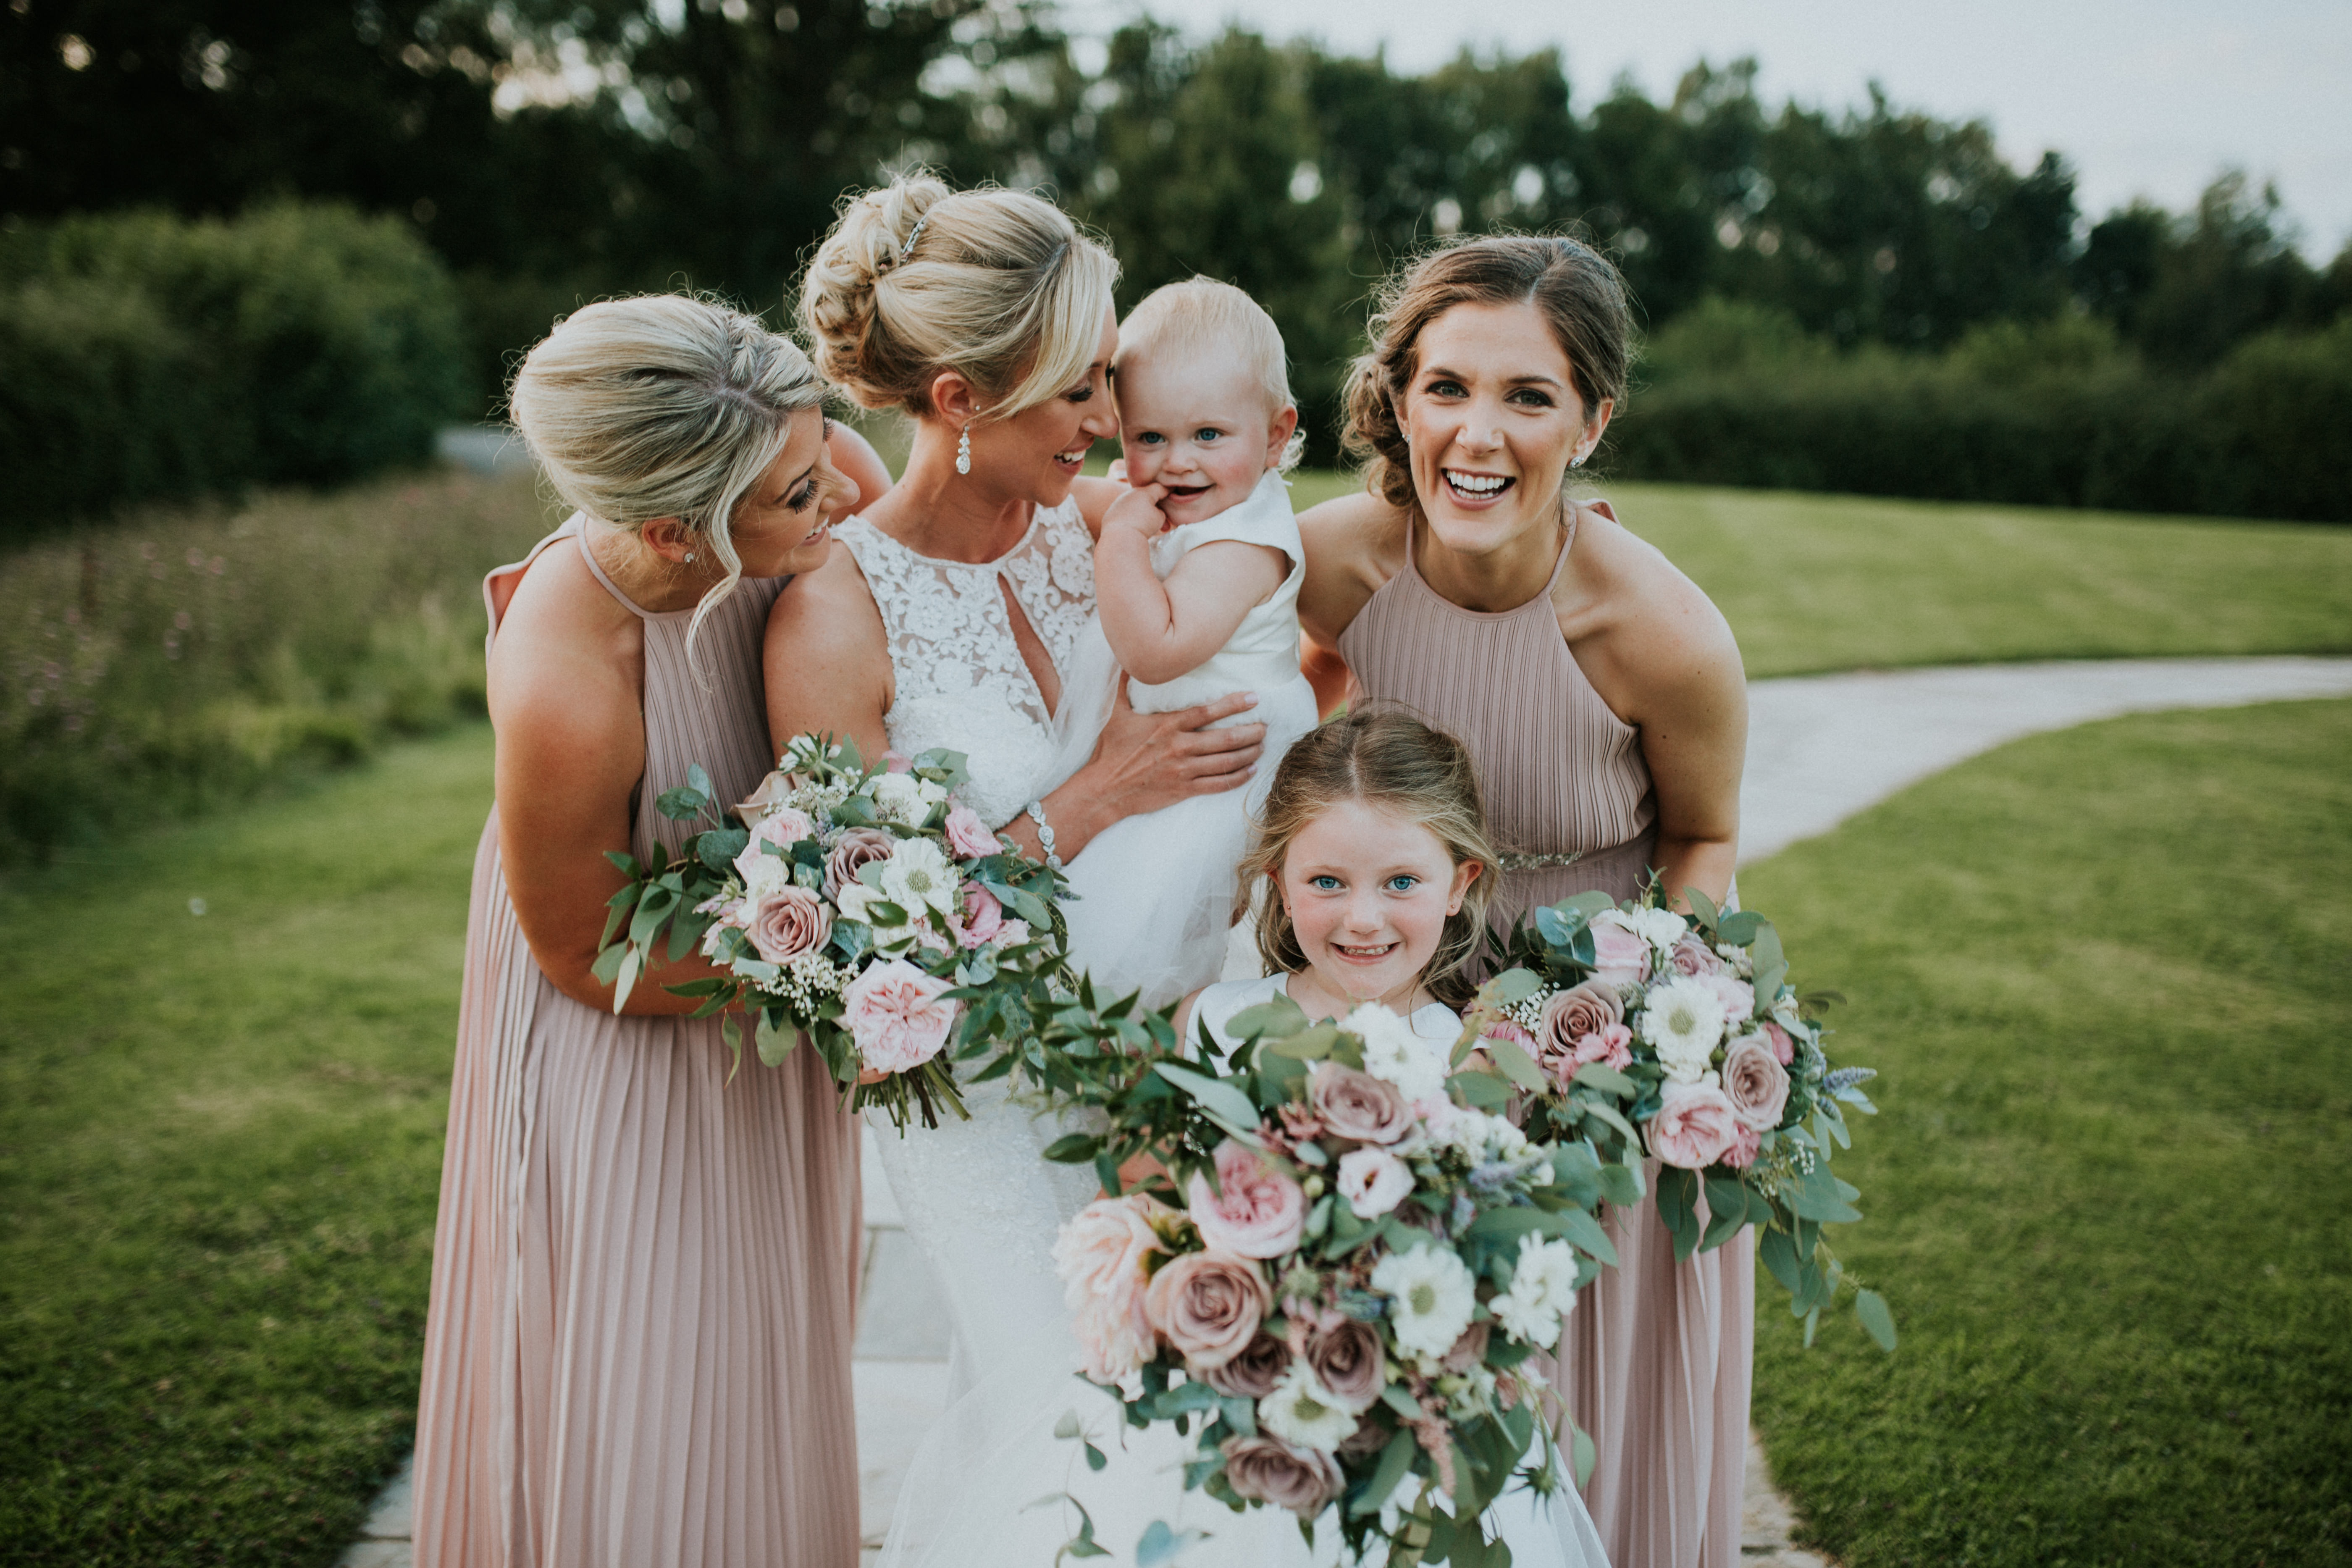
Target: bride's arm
x=827, y=659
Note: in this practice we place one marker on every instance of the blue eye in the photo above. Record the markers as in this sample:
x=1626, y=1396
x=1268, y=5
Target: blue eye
x=1324, y=884
x=1403, y=882
x=1149, y=438
x=1205, y=436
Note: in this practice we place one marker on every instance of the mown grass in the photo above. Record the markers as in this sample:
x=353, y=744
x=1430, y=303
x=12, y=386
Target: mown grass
x=220, y=1143
x=2105, y=973
x=1814, y=582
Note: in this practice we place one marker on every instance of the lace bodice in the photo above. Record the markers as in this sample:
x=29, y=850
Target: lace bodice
x=957, y=676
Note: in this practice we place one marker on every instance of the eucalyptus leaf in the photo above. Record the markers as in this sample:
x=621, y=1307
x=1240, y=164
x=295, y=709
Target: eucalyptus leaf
x=1516, y=1064
x=1514, y=986
x=1218, y=1096
x=1275, y=1019
x=1606, y=1078
x=1396, y=1460
x=1870, y=1307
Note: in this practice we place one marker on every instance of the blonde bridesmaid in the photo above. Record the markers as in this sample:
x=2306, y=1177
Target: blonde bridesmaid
x=637, y=1354
x=1601, y=696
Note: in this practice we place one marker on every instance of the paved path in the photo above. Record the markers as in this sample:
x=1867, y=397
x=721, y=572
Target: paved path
x=1820, y=749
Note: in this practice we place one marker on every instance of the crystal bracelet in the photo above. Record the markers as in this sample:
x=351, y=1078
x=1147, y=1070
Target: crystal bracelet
x=1044, y=833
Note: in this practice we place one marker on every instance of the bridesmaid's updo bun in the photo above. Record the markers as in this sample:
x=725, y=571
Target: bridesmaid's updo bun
x=1578, y=292
x=662, y=405
x=997, y=285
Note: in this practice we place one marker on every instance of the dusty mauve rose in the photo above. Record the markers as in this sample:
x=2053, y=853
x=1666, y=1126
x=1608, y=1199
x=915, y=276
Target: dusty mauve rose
x=1357, y=1105
x=1695, y=1127
x=1267, y=1469
x=1101, y=1255
x=784, y=826
x=1743, y=1150
x=1613, y=1047
x=1259, y=1212
x=1755, y=1082
x=967, y=836
x=1621, y=957
x=1370, y=1438
x=855, y=848
x=1208, y=1305
x=1350, y=1365
x=1469, y=1350
x=1570, y=1016
x=788, y=923
x=1253, y=1374
x=1784, y=1049
x=894, y=1014
x=984, y=917
x=1691, y=955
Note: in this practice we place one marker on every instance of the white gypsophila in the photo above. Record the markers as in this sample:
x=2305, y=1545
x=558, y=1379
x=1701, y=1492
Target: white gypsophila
x=918, y=874
x=898, y=797
x=1393, y=1051
x=1682, y=1021
x=808, y=979
x=1432, y=1296
x=1301, y=1410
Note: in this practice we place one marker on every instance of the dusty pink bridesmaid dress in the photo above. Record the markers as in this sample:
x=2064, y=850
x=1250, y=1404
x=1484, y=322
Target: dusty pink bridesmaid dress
x=1656, y=1359
x=637, y=1354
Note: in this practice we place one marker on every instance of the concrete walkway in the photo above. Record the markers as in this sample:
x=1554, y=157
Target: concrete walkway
x=1820, y=749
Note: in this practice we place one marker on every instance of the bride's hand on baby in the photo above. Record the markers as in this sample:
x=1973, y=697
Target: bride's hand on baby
x=1147, y=761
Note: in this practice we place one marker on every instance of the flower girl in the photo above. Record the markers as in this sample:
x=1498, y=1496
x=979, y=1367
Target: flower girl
x=1196, y=572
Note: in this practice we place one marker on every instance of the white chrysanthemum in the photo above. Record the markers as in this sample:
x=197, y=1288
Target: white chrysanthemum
x=1528, y=1319
x=1393, y=1051
x=918, y=874
x=1682, y=1021
x=1301, y=1410
x=1547, y=1271
x=1432, y=1298
x=1660, y=928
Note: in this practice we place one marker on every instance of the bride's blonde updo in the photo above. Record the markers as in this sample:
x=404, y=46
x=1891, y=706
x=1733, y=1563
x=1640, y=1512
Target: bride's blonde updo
x=662, y=405
x=997, y=285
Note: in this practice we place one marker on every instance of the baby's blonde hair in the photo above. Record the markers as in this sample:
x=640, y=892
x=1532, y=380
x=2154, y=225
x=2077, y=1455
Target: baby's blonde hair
x=999, y=286
x=1201, y=315
x=662, y=405
x=1389, y=759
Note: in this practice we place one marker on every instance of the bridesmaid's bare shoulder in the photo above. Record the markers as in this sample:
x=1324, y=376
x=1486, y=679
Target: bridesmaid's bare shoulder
x=1355, y=543
x=566, y=670
x=826, y=659
x=1641, y=630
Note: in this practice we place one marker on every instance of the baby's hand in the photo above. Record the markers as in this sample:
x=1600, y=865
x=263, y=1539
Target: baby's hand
x=1138, y=511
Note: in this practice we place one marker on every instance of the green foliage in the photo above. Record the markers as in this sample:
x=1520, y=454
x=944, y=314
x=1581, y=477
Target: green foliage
x=296, y=345
x=176, y=659
x=2103, y=975
x=219, y=1147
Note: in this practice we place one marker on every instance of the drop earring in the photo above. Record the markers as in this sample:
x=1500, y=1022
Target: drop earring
x=963, y=451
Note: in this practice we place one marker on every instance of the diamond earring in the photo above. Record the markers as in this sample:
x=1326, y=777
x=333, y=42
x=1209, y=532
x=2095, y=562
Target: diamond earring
x=963, y=451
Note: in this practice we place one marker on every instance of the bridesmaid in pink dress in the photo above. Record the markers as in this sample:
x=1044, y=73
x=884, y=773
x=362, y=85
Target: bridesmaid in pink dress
x=1601, y=695
x=637, y=1352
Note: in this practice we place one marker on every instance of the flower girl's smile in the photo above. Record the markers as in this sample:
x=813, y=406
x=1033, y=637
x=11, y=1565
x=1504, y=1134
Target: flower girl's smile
x=1369, y=890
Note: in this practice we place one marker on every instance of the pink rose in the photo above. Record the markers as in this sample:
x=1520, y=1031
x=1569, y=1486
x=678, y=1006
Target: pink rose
x=1784, y=1049
x=1267, y=1469
x=1101, y=1255
x=984, y=917
x=1738, y=996
x=967, y=836
x=1695, y=1127
x=1613, y=1047
x=1570, y=1016
x=1373, y=1181
x=1259, y=1213
x=1358, y=1106
x=1208, y=1306
x=856, y=847
x=1755, y=1082
x=788, y=923
x=895, y=1015
x=786, y=827
x=1691, y=955
x=897, y=762
x=1621, y=957
x=1742, y=1152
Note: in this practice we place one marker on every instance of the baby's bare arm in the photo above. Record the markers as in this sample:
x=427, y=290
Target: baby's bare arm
x=1159, y=630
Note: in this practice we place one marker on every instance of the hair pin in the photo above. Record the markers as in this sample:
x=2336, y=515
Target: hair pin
x=913, y=235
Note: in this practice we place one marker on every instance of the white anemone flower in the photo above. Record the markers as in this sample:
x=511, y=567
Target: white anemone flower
x=918, y=874
x=1682, y=1021
x=1301, y=1410
x=1432, y=1297
x=1393, y=1051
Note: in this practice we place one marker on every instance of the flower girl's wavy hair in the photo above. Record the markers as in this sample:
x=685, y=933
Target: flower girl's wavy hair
x=999, y=286
x=1578, y=292
x=662, y=405
x=1386, y=758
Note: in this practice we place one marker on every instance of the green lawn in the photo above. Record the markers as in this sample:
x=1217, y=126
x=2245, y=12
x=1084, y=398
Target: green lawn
x=220, y=1141
x=2105, y=973
x=1820, y=583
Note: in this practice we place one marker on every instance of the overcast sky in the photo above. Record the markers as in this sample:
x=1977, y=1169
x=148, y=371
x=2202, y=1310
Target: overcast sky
x=2143, y=97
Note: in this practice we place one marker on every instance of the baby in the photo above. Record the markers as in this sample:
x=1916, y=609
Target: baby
x=1196, y=580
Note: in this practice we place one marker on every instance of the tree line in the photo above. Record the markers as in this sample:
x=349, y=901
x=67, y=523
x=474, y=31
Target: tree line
x=551, y=151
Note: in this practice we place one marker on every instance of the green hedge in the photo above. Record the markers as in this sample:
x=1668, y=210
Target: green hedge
x=2261, y=435
x=144, y=357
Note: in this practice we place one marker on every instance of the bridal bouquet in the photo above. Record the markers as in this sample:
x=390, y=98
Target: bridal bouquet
x=1643, y=1031
x=862, y=909
x=1340, y=1277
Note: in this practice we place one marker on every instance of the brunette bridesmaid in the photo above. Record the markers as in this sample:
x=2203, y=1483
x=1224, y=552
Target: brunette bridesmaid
x=637, y=1354
x=1601, y=696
